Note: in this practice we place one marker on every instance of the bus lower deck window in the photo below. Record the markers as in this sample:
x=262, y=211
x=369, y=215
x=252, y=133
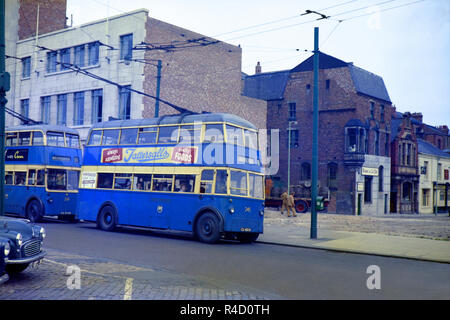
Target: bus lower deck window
x=105, y=180
x=19, y=178
x=9, y=177
x=142, y=182
x=184, y=183
x=162, y=182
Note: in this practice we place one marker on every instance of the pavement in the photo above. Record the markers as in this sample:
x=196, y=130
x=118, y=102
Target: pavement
x=418, y=237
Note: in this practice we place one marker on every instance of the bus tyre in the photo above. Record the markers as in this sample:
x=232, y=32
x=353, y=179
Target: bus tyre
x=34, y=211
x=207, y=228
x=107, y=218
x=301, y=206
x=247, y=237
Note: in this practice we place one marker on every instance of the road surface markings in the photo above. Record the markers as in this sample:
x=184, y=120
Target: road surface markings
x=128, y=291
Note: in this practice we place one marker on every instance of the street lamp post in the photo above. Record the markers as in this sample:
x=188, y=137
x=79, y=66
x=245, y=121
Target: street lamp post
x=289, y=156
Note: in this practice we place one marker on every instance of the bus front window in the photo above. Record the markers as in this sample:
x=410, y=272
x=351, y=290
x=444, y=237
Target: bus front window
x=72, y=140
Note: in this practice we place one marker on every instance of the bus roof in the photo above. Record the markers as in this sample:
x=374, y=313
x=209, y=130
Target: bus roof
x=43, y=127
x=177, y=119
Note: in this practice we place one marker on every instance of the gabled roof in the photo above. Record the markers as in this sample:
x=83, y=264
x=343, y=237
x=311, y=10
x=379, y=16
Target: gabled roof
x=427, y=148
x=266, y=86
x=325, y=62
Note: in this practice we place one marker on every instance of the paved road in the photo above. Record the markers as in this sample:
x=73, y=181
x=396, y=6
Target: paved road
x=264, y=271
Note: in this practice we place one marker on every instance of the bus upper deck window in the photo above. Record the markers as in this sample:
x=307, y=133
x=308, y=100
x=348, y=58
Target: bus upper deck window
x=38, y=138
x=147, y=135
x=72, y=140
x=214, y=133
x=190, y=134
x=95, y=138
x=251, y=139
x=11, y=139
x=55, y=139
x=168, y=134
x=128, y=136
x=24, y=138
x=234, y=135
x=110, y=137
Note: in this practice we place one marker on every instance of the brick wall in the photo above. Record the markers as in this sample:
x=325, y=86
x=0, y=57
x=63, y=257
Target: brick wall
x=338, y=103
x=52, y=16
x=198, y=78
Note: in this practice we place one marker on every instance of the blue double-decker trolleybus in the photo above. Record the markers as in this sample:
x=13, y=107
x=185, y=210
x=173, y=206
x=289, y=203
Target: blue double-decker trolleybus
x=42, y=168
x=198, y=172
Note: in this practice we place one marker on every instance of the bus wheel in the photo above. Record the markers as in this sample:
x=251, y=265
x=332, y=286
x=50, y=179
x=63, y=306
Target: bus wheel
x=301, y=206
x=107, y=218
x=247, y=237
x=34, y=211
x=207, y=228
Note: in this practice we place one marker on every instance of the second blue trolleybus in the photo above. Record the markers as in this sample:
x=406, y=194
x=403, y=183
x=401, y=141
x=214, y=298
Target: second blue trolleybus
x=198, y=172
x=42, y=167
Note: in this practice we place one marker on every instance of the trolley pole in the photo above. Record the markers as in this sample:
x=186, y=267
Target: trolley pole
x=4, y=87
x=315, y=159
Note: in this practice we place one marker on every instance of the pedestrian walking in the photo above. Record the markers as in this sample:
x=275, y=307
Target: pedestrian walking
x=291, y=206
x=284, y=203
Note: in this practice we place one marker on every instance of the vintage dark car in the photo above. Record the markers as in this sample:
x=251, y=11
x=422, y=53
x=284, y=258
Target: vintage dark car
x=25, y=240
x=5, y=248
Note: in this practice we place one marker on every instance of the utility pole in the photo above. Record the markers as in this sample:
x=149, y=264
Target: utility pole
x=315, y=160
x=289, y=157
x=158, y=85
x=4, y=87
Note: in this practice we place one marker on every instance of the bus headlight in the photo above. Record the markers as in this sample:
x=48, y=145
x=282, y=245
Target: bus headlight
x=19, y=239
x=231, y=210
x=261, y=212
x=43, y=233
x=7, y=249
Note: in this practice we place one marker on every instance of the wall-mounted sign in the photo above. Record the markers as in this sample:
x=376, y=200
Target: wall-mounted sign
x=366, y=171
x=360, y=187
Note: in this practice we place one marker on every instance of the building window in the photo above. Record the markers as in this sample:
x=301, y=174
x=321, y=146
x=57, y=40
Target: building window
x=97, y=105
x=366, y=142
x=51, y=61
x=292, y=111
x=439, y=143
x=308, y=88
x=408, y=155
x=26, y=67
x=332, y=170
x=407, y=189
x=45, y=109
x=367, y=189
x=78, y=108
x=64, y=57
x=93, y=53
x=352, y=134
x=377, y=143
x=425, y=197
x=79, y=55
x=61, y=109
x=327, y=84
x=380, y=178
x=294, y=138
x=25, y=108
x=372, y=109
x=386, y=146
x=382, y=113
x=424, y=169
x=305, y=173
x=404, y=154
x=126, y=46
x=125, y=102
x=439, y=171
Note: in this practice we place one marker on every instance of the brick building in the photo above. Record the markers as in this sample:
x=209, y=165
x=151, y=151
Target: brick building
x=198, y=73
x=354, y=132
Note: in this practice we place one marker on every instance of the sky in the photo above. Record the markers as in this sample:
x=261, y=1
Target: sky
x=407, y=42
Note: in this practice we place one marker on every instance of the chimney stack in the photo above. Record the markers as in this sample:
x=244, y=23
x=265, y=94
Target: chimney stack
x=444, y=129
x=258, y=68
x=418, y=116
